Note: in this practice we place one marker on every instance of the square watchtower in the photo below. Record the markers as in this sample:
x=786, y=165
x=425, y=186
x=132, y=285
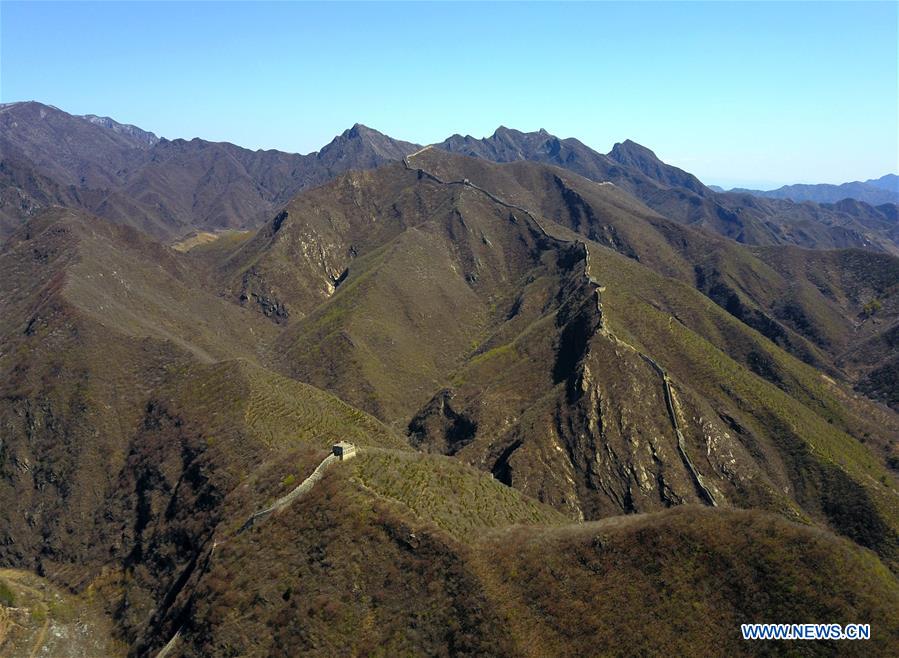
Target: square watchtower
x=344, y=450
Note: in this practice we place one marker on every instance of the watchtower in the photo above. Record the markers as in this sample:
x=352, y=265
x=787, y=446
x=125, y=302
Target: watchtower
x=344, y=450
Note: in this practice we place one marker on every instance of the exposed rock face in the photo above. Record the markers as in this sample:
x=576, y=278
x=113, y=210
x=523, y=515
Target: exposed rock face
x=440, y=428
x=142, y=136
x=599, y=440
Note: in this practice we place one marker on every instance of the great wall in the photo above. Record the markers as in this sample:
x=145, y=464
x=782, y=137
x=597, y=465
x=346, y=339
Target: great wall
x=704, y=492
x=595, y=289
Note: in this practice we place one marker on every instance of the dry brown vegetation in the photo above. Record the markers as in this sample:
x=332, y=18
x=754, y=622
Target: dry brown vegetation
x=518, y=462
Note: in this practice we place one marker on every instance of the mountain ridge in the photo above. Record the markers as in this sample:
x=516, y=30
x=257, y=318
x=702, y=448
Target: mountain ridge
x=682, y=197
x=173, y=187
x=875, y=191
x=168, y=186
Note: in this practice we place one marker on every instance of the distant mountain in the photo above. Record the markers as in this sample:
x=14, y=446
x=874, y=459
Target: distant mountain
x=169, y=188
x=683, y=197
x=887, y=182
x=71, y=150
x=641, y=158
x=360, y=147
x=164, y=187
x=509, y=145
x=875, y=192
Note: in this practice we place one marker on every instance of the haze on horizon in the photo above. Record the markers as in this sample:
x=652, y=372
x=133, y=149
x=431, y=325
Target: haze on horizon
x=739, y=94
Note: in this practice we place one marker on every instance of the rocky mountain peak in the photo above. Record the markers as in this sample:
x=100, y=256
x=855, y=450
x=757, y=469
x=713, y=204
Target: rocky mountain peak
x=142, y=136
x=630, y=152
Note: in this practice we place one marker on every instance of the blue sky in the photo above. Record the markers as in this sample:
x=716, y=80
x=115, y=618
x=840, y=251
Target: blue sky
x=738, y=93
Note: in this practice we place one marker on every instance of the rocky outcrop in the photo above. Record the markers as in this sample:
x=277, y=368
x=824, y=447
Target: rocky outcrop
x=604, y=443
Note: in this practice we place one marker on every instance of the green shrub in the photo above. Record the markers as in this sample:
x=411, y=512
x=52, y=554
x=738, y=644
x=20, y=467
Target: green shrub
x=871, y=308
x=7, y=597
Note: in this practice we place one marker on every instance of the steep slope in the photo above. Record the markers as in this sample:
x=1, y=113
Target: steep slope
x=218, y=185
x=639, y=157
x=810, y=437
x=299, y=257
x=133, y=402
x=683, y=198
x=477, y=253
x=418, y=554
x=811, y=303
x=164, y=187
x=92, y=318
x=214, y=444
x=70, y=150
x=445, y=306
x=24, y=193
x=351, y=570
x=844, y=302
x=360, y=147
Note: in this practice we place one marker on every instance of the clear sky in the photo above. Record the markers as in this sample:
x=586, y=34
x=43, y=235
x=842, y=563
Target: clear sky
x=737, y=93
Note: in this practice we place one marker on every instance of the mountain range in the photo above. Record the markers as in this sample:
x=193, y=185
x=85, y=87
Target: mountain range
x=599, y=407
x=171, y=188
x=875, y=191
x=166, y=188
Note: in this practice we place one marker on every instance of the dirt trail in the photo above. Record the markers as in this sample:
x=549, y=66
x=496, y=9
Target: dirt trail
x=43, y=620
